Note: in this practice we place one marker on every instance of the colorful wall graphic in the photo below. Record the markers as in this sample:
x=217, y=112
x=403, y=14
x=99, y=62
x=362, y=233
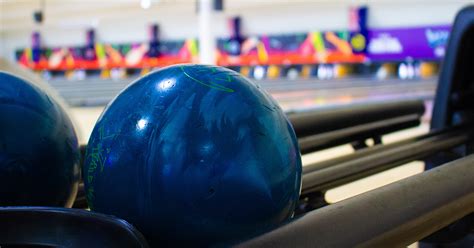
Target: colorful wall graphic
x=397, y=44
x=419, y=43
x=304, y=48
x=106, y=56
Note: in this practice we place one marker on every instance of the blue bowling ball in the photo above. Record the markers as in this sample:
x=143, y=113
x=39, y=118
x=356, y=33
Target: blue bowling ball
x=39, y=154
x=194, y=155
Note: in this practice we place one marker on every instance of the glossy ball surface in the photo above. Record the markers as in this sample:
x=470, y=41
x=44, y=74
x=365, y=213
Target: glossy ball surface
x=39, y=153
x=194, y=155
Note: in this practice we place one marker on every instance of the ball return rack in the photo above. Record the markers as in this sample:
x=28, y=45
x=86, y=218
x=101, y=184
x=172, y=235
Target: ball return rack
x=435, y=207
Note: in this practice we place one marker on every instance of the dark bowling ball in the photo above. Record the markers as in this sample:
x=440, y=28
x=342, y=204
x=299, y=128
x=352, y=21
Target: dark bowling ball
x=39, y=154
x=194, y=155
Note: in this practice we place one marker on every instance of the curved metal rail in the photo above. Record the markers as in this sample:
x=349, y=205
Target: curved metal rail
x=395, y=215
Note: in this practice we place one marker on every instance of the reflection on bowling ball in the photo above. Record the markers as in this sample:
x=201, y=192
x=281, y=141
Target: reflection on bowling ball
x=194, y=155
x=39, y=154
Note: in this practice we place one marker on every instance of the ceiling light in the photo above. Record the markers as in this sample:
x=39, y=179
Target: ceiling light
x=145, y=4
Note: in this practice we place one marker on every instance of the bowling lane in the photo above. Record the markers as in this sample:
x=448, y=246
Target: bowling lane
x=85, y=119
x=323, y=93
x=291, y=95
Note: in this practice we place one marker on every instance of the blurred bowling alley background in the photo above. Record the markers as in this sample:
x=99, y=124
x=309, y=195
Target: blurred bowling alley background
x=307, y=54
